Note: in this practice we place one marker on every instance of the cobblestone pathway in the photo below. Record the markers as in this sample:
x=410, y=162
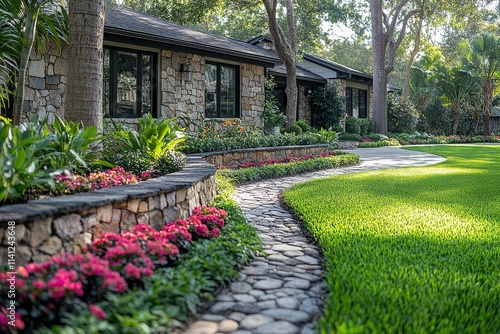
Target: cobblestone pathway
x=283, y=293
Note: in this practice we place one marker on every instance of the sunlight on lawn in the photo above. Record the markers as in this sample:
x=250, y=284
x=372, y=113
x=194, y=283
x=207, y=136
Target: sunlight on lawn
x=413, y=250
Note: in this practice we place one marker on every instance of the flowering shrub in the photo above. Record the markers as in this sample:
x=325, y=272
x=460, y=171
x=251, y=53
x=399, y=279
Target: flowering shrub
x=230, y=128
x=285, y=160
x=69, y=184
x=45, y=291
x=111, y=264
x=424, y=138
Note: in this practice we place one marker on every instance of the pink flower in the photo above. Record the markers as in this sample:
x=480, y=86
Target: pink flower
x=97, y=311
x=215, y=233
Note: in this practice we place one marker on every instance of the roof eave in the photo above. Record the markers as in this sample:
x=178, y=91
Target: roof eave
x=265, y=61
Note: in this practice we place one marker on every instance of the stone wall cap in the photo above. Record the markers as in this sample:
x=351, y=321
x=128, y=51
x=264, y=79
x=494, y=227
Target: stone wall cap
x=196, y=170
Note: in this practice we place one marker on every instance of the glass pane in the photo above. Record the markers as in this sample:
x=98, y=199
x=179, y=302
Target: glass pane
x=147, y=79
x=105, y=83
x=228, y=92
x=355, y=102
x=210, y=90
x=348, y=98
x=362, y=104
x=126, y=77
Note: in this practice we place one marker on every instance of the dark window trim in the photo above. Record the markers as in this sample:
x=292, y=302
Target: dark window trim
x=349, y=102
x=113, y=59
x=237, y=83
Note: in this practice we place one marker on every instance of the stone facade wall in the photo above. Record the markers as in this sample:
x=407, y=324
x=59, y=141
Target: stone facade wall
x=305, y=106
x=47, y=227
x=181, y=98
x=252, y=95
x=45, y=88
x=234, y=157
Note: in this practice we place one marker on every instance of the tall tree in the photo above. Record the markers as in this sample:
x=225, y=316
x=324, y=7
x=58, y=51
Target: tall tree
x=85, y=74
x=386, y=40
x=286, y=48
x=30, y=24
x=484, y=61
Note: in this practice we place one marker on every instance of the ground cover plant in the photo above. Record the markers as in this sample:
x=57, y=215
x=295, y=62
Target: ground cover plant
x=412, y=250
x=143, y=281
x=260, y=170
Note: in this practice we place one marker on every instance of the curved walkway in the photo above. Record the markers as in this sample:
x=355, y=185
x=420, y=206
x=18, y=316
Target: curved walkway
x=283, y=292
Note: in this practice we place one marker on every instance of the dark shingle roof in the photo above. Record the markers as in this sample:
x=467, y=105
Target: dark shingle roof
x=127, y=23
x=336, y=66
x=302, y=74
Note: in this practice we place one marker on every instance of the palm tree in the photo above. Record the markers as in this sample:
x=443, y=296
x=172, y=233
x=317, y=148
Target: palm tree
x=456, y=85
x=484, y=62
x=27, y=24
x=85, y=75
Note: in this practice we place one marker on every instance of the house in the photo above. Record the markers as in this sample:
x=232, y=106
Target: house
x=314, y=71
x=158, y=67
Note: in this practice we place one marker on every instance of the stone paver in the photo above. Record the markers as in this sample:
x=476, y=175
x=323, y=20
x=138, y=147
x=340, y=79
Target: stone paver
x=283, y=292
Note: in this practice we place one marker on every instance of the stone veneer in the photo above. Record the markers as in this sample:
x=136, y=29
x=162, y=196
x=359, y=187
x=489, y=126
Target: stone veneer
x=233, y=157
x=46, y=84
x=181, y=98
x=48, y=226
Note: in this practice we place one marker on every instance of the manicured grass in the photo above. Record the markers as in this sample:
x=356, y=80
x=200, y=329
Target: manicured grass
x=413, y=250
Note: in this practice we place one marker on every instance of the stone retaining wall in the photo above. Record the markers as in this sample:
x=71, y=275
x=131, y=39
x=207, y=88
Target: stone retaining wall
x=48, y=226
x=233, y=157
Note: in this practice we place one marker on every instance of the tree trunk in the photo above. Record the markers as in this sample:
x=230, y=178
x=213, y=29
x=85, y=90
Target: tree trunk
x=456, y=118
x=488, y=88
x=28, y=39
x=379, y=72
x=286, y=48
x=85, y=73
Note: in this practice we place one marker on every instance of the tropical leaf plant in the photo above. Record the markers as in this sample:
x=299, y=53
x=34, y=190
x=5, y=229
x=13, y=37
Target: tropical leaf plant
x=27, y=25
x=24, y=157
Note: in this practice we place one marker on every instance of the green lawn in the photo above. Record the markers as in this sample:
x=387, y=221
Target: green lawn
x=413, y=250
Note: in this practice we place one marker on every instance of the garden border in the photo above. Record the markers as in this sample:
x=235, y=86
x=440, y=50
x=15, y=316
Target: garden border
x=48, y=226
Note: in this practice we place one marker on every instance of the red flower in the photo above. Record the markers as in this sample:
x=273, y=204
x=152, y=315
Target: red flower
x=97, y=311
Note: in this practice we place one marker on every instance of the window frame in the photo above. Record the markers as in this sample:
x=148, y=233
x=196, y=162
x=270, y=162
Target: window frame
x=237, y=84
x=113, y=81
x=362, y=95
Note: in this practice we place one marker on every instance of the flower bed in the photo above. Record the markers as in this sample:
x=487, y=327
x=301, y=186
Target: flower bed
x=424, y=139
x=113, y=263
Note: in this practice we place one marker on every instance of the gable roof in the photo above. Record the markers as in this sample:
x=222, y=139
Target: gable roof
x=344, y=71
x=302, y=74
x=133, y=27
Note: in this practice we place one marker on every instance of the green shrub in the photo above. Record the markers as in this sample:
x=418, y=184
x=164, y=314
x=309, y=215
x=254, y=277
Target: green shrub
x=171, y=161
x=153, y=136
x=304, y=126
x=349, y=136
x=293, y=129
x=135, y=161
x=328, y=108
x=198, y=145
x=74, y=146
x=25, y=157
x=352, y=127
x=401, y=115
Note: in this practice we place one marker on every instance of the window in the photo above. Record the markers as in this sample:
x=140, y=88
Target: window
x=129, y=88
x=356, y=102
x=222, y=90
